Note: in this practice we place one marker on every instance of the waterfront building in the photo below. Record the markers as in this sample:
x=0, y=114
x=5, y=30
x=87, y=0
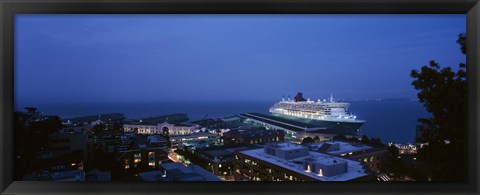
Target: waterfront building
x=294, y=130
x=178, y=172
x=195, y=140
x=169, y=118
x=220, y=123
x=252, y=136
x=161, y=128
x=292, y=162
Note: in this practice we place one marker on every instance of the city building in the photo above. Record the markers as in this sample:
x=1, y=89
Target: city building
x=97, y=122
x=252, y=136
x=76, y=128
x=69, y=143
x=407, y=148
x=137, y=153
x=196, y=140
x=109, y=119
x=71, y=175
x=220, y=123
x=220, y=161
x=98, y=175
x=161, y=128
x=169, y=118
x=292, y=162
x=374, y=157
x=294, y=130
x=178, y=172
x=51, y=162
x=106, y=141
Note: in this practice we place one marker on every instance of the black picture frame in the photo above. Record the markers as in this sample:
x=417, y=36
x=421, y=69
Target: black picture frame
x=8, y=9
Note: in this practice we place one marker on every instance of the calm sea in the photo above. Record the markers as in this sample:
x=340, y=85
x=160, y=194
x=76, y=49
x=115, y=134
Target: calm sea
x=391, y=121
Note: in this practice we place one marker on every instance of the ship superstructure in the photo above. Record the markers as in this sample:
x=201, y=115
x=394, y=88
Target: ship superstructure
x=327, y=113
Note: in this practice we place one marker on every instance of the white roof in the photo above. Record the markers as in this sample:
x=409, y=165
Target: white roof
x=354, y=170
x=329, y=160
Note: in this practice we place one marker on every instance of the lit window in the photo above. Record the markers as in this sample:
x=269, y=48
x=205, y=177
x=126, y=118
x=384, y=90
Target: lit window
x=137, y=158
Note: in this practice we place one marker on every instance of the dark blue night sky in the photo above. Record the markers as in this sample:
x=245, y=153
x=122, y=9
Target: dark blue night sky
x=132, y=58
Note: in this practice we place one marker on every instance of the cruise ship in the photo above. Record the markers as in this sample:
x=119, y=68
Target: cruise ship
x=329, y=113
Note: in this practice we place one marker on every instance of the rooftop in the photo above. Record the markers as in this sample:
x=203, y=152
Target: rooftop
x=355, y=169
x=232, y=118
x=281, y=122
x=72, y=175
x=193, y=135
x=344, y=147
x=216, y=153
x=136, y=142
x=285, y=145
x=179, y=172
x=156, y=123
x=253, y=132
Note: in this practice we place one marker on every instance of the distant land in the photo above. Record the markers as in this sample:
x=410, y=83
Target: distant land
x=380, y=99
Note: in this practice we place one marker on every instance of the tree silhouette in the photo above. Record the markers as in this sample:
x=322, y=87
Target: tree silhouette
x=31, y=137
x=443, y=92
